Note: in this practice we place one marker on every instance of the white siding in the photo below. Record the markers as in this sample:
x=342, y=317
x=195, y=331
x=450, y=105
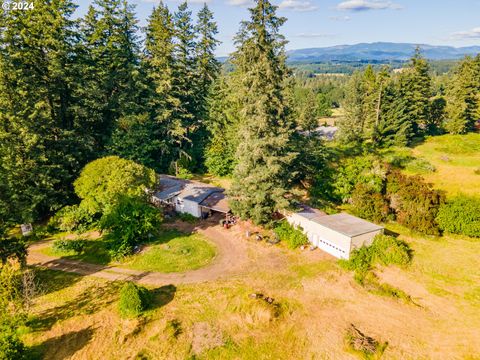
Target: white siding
x=188, y=207
x=364, y=239
x=324, y=238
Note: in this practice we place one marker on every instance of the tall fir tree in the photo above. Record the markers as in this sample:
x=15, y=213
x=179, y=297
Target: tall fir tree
x=108, y=68
x=463, y=94
x=261, y=180
x=416, y=89
x=143, y=137
x=40, y=151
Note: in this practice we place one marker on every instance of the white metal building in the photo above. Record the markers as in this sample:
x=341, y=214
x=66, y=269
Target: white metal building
x=337, y=234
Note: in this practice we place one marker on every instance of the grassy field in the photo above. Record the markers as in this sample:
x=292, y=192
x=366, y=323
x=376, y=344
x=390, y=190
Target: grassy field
x=456, y=159
x=171, y=251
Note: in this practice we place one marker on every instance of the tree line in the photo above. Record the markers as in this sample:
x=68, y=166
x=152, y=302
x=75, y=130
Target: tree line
x=75, y=90
x=384, y=109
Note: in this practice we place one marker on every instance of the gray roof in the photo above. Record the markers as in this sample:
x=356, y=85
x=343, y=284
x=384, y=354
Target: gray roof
x=186, y=189
x=197, y=192
x=169, y=187
x=347, y=224
x=309, y=213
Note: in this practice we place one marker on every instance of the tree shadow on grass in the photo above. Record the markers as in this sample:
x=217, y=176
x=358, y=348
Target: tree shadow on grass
x=162, y=296
x=93, y=299
x=49, y=281
x=63, y=346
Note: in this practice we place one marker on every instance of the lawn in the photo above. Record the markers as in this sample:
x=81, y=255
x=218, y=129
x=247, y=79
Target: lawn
x=457, y=162
x=171, y=251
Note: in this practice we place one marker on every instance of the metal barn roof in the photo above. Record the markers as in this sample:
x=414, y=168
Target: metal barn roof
x=347, y=224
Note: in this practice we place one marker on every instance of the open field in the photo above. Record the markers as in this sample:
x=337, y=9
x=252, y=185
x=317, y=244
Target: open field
x=457, y=162
x=315, y=302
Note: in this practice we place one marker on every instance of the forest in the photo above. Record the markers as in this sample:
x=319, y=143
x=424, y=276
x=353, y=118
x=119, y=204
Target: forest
x=92, y=108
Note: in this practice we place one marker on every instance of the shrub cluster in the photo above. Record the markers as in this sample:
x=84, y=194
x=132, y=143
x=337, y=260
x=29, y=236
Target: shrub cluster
x=130, y=222
x=73, y=218
x=385, y=250
x=63, y=245
x=368, y=204
x=460, y=216
x=134, y=300
x=293, y=237
x=11, y=347
x=414, y=202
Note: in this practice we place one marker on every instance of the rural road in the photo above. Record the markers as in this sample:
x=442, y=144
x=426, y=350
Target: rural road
x=230, y=260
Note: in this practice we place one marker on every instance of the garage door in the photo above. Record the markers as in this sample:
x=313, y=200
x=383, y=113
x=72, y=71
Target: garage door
x=331, y=248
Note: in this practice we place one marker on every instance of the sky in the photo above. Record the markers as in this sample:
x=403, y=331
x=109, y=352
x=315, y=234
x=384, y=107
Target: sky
x=320, y=23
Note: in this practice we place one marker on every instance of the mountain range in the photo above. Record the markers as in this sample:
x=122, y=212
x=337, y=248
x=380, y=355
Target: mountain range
x=378, y=51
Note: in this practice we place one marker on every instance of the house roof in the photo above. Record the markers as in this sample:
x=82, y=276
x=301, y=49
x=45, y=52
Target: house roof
x=347, y=224
x=216, y=201
x=185, y=189
x=309, y=212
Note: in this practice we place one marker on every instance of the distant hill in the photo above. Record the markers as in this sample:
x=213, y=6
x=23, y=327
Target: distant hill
x=379, y=51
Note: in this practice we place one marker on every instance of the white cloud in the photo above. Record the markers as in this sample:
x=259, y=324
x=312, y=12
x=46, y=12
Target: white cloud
x=314, y=35
x=340, y=18
x=365, y=5
x=470, y=34
x=240, y=2
x=298, y=5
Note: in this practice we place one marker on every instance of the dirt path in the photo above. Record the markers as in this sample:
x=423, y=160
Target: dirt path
x=231, y=260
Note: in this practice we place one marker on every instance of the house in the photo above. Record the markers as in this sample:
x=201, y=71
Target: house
x=337, y=234
x=190, y=197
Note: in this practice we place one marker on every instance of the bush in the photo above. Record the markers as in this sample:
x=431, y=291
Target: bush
x=130, y=222
x=134, y=300
x=414, y=202
x=71, y=218
x=385, y=250
x=369, y=204
x=63, y=245
x=365, y=170
x=460, y=216
x=420, y=166
x=11, y=347
x=294, y=237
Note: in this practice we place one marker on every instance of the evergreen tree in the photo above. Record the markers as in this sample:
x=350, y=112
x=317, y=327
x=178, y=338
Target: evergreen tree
x=222, y=125
x=143, y=137
x=351, y=126
x=307, y=118
x=108, y=85
x=184, y=119
x=416, y=89
x=261, y=181
x=463, y=95
x=40, y=151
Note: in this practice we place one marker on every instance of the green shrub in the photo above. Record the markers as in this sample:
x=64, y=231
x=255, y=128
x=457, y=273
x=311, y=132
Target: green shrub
x=386, y=250
x=134, y=300
x=414, y=202
x=420, y=165
x=460, y=216
x=365, y=170
x=389, y=250
x=294, y=237
x=369, y=204
x=130, y=222
x=11, y=347
x=72, y=218
x=63, y=245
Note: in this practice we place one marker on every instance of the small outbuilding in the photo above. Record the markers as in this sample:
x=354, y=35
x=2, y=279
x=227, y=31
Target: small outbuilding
x=337, y=234
x=190, y=197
